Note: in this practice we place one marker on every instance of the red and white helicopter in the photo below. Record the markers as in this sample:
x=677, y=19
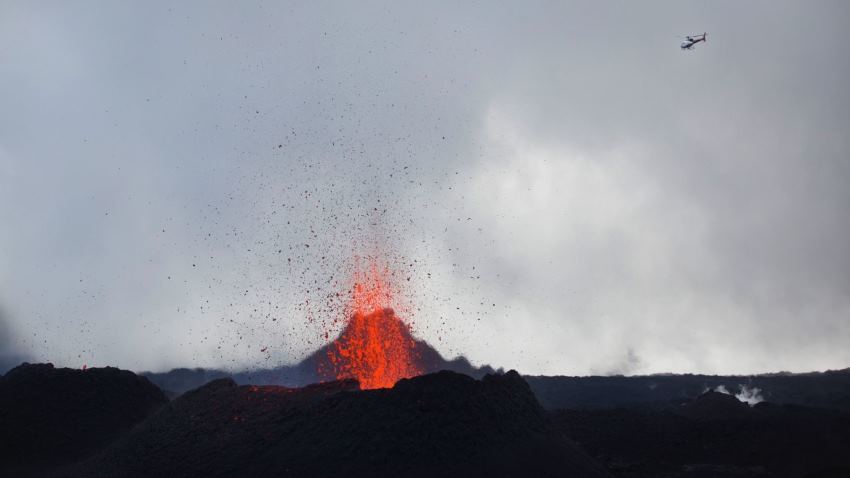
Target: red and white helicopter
x=691, y=40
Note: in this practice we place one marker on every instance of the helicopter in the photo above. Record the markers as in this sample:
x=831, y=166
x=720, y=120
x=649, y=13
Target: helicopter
x=691, y=40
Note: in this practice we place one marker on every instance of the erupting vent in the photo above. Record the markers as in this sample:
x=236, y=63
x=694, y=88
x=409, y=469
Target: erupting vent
x=376, y=347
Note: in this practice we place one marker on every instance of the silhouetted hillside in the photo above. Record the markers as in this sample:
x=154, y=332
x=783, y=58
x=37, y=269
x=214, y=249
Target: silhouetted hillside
x=108, y=422
x=714, y=436
x=443, y=424
x=713, y=405
x=50, y=416
x=829, y=389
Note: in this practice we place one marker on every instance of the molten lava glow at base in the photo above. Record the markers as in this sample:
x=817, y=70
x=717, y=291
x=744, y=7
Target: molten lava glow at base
x=376, y=347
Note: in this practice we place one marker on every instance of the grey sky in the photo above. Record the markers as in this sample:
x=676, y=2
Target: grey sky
x=567, y=191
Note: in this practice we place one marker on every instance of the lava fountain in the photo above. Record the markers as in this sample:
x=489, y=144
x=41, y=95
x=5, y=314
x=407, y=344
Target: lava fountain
x=376, y=347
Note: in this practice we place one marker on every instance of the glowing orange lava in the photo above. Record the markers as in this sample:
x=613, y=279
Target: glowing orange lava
x=376, y=347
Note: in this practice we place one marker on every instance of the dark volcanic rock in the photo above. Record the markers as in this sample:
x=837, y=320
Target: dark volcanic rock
x=713, y=405
x=830, y=389
x=721, y=440
x=179, y=380
x=50, y=416
x=444, y=424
